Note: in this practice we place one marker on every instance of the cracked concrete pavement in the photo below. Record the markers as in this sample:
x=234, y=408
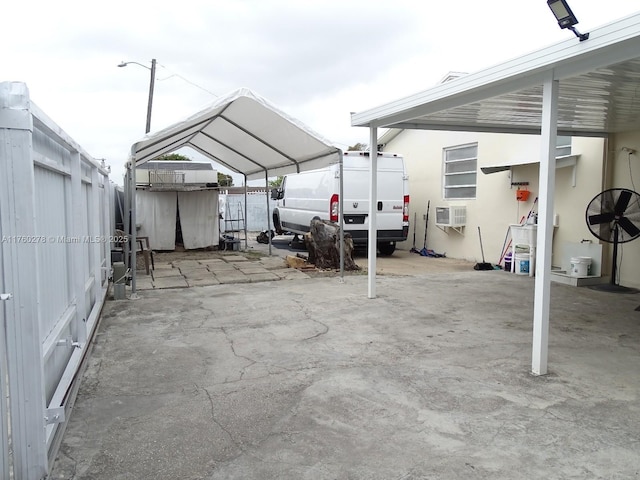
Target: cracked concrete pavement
x=310, y=379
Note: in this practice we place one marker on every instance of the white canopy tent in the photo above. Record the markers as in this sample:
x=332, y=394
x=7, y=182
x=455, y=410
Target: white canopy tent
x=587, y=88
x=245, y=133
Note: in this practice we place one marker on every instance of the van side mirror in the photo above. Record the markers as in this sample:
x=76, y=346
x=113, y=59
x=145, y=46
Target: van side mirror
x=276, y=194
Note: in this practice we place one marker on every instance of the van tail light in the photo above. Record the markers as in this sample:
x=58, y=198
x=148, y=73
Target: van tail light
x=334, y=208
x=405, y=209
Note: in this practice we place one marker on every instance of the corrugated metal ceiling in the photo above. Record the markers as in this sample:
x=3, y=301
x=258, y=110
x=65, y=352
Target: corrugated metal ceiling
x=595, y=103
x=599, y=91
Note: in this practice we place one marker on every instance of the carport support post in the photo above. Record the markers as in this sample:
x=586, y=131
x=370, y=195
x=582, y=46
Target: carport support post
x=134, y=232
x=125, y=214
x=266, y=186
x=542, y=294
x=246, y=245
x=341, y=216
x=373, y=202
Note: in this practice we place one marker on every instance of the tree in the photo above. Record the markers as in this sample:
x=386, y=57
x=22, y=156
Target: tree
x=225, y=180
x=358, y=147
x=276, y=183
x=174, y=157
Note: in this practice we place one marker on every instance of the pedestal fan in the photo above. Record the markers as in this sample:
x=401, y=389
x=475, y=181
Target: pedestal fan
x=613, y=216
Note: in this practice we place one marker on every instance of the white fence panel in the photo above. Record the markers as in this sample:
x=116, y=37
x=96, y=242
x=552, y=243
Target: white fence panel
x=5, y=457
x=256, y=209
x=55, y=225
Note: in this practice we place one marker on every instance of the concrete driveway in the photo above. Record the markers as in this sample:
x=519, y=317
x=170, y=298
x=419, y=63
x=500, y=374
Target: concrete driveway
x=309, y=379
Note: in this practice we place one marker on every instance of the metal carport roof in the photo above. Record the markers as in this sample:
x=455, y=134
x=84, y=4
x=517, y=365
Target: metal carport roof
x=598, y=81
x=589, y=88
x=245, y=133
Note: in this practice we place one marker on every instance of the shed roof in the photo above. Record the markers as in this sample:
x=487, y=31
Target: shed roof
x=176, y=165
x=245, y=133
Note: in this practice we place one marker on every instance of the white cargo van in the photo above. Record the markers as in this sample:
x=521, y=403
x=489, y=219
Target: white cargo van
x=315, y=193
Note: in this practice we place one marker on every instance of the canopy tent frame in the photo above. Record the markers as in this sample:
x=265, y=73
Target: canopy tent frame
x=245, y=133
x=573, y=88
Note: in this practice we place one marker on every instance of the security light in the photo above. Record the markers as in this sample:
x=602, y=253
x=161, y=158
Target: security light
x=565, y=17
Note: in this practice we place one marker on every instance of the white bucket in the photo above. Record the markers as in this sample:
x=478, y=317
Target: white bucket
x=119, y=291
x=523, y=262
x=580, y=266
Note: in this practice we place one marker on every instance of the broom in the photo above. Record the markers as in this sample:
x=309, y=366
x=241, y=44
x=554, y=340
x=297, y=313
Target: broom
x=415, y=219
x=483, y=265
x=424, y=251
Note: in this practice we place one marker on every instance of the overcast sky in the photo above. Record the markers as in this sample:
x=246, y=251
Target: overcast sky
x=316, y=60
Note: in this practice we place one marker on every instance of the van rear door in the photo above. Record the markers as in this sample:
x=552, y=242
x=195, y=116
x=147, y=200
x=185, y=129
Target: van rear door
x=389, y=205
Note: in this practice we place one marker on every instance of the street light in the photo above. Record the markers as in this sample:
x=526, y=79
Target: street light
x=130, y=217
x=151, y=86
x=565, y=17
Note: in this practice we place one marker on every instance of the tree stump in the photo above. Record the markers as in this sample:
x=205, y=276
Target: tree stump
x=323, y=245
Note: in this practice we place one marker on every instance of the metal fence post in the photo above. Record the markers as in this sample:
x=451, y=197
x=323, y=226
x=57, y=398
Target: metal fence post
x=99, y=237
x=77, y=249
x=20, y=271
x=5, y=457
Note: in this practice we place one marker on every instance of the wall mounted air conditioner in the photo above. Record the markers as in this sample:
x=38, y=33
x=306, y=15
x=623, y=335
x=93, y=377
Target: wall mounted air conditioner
x=451, y=216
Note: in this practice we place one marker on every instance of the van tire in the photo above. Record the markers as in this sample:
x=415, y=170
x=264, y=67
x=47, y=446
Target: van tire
x=387, y=249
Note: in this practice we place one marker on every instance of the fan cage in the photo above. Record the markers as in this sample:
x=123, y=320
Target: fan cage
x=604, y=204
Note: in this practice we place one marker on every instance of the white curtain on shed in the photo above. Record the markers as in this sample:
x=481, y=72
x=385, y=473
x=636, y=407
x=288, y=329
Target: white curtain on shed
x=156, y=214
x=199, y=218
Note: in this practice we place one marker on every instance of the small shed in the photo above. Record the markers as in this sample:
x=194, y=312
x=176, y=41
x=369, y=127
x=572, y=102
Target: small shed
x=177, y=203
